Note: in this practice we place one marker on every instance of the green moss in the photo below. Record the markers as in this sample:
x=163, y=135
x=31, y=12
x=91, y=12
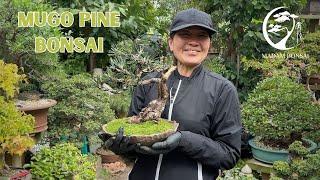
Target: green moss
x=145, y=128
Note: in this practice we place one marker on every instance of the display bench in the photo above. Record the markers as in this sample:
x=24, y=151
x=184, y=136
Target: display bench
x=263, y=168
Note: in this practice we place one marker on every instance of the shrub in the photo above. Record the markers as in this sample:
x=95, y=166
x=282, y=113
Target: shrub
x=17, y=43
x=300, y=167
x=15, y=125
x=82, y=107
x=282, y=168
x=297, y=149
x=217, y=65
x=279, y=110
x=63, y=161
x=9, y=79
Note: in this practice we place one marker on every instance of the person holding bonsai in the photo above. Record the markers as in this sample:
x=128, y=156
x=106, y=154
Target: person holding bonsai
x=205, y=105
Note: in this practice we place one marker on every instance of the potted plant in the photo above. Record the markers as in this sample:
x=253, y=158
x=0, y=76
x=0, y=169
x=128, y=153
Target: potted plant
x=81, y=110
x=278, y=112
x=15, y=125
x=302, y=164
x=38, y=108
x=63, y=161
x=147, y=127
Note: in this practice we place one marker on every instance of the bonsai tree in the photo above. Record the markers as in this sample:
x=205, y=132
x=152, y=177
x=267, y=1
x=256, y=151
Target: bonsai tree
x=81, y=110
x=302, y=165
x=148, y=121
x=15, y=125
x=154, y=108
x=278, y=111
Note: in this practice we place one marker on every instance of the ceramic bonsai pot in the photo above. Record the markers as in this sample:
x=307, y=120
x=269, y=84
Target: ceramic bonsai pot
x=147, y=140
x=39, y=110
x=270, y=156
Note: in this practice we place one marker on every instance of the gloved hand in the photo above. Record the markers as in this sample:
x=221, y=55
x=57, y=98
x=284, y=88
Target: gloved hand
x=163, y=147
x=118, y=144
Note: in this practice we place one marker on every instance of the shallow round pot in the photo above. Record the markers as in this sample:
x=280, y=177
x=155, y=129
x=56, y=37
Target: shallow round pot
x=270, y=156
x=148, y=140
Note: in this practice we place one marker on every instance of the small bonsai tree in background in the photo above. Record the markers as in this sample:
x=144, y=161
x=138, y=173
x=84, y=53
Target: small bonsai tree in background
x=15, y=125
x=302, y=165
x=120, y=104
x=81, y=110
x=279, y=111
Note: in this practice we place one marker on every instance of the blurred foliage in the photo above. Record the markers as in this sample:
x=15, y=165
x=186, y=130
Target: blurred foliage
x=120, y=103
x=129, y=61
x=81, y=110
x=277, y=66
x=15, y=125
x=14, y=129
x=297, y=149
x=9, y=79
x=216, y=64
x=17, y=43
x=293, y=66
x=137, y=17
x=279, y=110
x=311, y=44
x=314, y=135
x=302, y=165
x=63, y=161
x=239, y=24
x=74, y=64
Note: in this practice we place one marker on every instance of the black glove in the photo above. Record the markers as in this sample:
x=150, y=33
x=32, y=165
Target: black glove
x=163, y=147
x=118, y=144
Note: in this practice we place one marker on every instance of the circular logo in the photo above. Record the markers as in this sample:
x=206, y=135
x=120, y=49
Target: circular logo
x=279, y=27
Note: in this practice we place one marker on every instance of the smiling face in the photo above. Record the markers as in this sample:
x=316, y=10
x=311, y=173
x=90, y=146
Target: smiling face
x=190, y=46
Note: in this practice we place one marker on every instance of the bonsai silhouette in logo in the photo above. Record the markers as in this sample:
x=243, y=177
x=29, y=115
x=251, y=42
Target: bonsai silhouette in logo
x=280, y=27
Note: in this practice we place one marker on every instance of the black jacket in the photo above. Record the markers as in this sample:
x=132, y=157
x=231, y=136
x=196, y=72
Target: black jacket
x=208, y=111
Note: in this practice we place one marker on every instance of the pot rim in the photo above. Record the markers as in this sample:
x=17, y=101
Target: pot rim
x=313, y=146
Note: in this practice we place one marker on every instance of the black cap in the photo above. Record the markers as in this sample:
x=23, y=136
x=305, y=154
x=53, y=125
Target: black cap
x=192, y=17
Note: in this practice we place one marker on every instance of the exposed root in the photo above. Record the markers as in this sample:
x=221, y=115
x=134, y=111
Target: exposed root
x=153, y=111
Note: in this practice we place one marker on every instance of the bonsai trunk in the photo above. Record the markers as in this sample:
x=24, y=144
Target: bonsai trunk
x=154, y=109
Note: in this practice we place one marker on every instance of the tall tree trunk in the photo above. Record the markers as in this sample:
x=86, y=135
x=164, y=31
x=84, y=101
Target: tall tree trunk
x=92, y=62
